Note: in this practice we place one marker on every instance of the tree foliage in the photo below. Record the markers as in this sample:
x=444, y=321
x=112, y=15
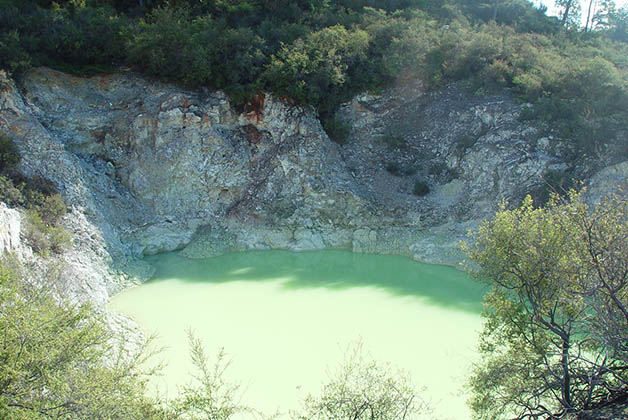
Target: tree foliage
x=57, y=359
x=211, y=396
x=362, y=389
x=555, y=335
x=322, y=53
x=570, y=11
x=320, y=64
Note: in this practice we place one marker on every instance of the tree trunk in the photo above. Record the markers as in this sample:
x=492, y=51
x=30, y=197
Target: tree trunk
x=566, y=13
x=566, y=391
x=586, y=26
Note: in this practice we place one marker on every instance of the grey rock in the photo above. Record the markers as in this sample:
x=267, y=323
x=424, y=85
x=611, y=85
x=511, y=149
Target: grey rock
x=149, y=167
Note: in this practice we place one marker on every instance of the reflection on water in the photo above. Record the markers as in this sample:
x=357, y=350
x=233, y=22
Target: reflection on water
x=284, y=317
x=329, y=269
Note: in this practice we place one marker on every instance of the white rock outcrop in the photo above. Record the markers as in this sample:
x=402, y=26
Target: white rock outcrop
x=10, y=223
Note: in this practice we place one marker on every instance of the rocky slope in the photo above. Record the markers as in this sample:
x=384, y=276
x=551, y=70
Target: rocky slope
x=149, y=167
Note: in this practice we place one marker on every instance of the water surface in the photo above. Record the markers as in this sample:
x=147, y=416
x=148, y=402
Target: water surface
x=285, y=319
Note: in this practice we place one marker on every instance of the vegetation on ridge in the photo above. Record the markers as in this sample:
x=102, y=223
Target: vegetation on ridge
x=322, y=53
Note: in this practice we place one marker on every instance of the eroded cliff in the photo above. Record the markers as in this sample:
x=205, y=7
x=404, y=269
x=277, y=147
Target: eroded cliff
x=148, y=167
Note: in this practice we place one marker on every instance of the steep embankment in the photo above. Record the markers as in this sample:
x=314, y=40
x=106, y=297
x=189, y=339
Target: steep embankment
x=148, y=167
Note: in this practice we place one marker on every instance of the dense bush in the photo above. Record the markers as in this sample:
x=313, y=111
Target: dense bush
x=57, y=359
x=9, y=193
x=337, y=129
x=9, y=155
x=13, y=55
x=554, y=340
x=322, y=53
x=363, y=389
x=555, y=182
x=77, y=39
x=393, y=139
x=421, y=188
x=319, y=65
x=44, y=238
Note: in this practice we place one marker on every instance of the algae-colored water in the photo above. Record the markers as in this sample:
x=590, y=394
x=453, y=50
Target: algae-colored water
x=285, y=319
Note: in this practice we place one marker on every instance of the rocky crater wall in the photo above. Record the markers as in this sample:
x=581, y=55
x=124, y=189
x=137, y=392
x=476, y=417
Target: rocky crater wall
x=149, y=167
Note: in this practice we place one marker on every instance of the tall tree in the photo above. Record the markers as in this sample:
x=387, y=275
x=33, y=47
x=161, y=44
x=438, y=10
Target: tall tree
x=619, y=25
x=590, y=14
x=570, y=12
x=603, y=14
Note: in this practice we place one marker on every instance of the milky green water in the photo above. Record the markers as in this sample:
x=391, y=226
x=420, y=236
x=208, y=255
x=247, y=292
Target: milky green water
x=285, y=319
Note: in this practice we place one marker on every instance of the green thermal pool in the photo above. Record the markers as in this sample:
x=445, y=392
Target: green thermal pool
x=285, y=319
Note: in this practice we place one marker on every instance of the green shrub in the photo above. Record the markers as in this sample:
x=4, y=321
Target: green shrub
x=411, y=51
x=410, y=170
x=52, y=209
x=45, y=206
x=363, y=389
x=60, y=359
x=421, y=188
x=11, y=195
x=161, y=46
x=9, y=155
x=393, y=169
x=337, y=129
x=60, y=239
x=41, y=184
x=319, y=66
x=35, y=233
x=437, y=168
x=13, y=54
x=44, y=238
x=19, y=190
x=199, y=51
x=393, y=139
x=465, y=142
x=401, y=170
x=555, y=182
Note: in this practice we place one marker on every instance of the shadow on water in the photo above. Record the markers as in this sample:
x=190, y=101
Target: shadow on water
x=331, y=269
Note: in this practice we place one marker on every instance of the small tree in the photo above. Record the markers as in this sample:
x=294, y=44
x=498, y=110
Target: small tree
x=57, y=360
x=603, y=279
x=211, y=396
x=362, y=389
x=554, y=339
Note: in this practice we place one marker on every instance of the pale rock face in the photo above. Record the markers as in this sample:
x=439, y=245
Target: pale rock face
x=610, y=180
x=148, y=167
x=10, y=223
